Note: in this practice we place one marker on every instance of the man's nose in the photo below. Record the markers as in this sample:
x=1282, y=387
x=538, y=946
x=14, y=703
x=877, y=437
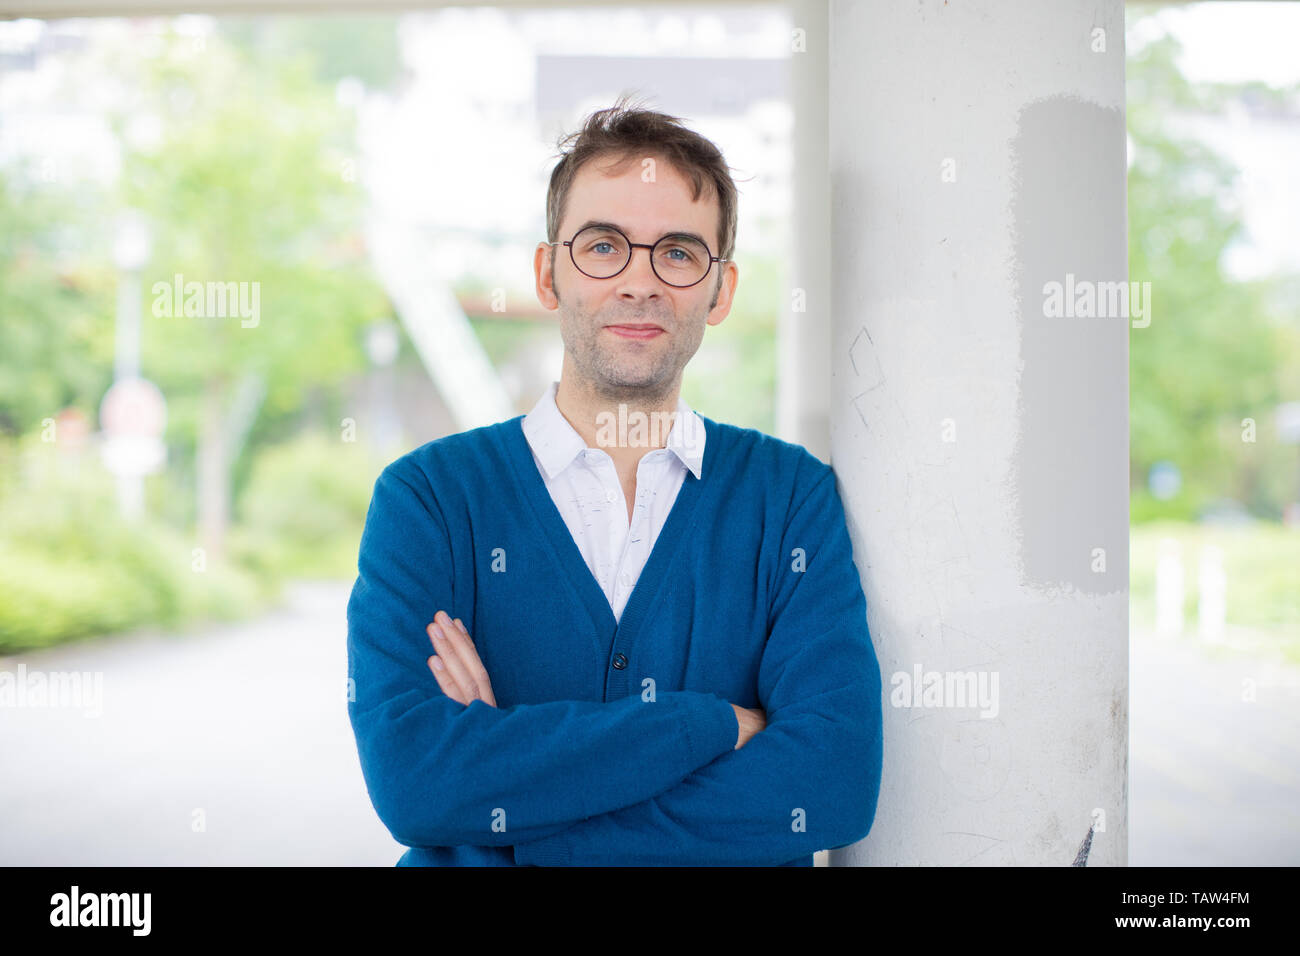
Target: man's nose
x=639, y=277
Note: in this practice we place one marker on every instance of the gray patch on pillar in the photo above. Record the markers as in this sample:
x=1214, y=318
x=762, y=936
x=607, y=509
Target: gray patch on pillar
x=1073, y=417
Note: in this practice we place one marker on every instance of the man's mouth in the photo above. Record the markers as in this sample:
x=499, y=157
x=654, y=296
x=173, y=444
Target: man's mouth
x=635, y=330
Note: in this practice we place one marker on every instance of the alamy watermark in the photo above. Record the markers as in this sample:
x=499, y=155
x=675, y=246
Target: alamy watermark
x=639, y=429
x=209, y=300
x=53, y=689
x=75, y=908
x=1085, y=299
x=948, y=689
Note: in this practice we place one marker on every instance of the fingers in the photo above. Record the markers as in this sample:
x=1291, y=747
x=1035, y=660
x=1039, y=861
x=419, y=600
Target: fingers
x=449, y=653
x=474, y=664
x=445, y=680
x=456, y=651
x=440, y=665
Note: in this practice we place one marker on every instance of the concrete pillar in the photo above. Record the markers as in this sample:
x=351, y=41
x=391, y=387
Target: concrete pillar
x=981, y=443
x=804, y=329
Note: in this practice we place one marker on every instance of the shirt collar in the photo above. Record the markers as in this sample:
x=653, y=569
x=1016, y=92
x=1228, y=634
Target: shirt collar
x=556, y=443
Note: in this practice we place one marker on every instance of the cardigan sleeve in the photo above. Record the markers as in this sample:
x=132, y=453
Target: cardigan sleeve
x=440, y=773
x=810, y=779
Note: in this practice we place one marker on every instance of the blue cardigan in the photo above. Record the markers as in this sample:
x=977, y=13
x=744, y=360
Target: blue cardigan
x=613, y=742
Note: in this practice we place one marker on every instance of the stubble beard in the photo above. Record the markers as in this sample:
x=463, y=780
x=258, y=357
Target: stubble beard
x=623, y=370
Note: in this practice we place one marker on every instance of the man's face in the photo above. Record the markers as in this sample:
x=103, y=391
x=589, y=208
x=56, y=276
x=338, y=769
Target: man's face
x=596, y=354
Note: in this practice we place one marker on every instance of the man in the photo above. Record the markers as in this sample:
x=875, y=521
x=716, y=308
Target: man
x=578, y=638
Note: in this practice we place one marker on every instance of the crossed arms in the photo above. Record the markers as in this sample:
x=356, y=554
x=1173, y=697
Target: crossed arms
x=677, y=781
x=461, y=674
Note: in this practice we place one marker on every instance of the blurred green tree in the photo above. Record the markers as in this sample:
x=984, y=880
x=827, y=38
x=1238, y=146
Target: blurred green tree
x=249, y=180
x=1217, y=351
x=56, y=328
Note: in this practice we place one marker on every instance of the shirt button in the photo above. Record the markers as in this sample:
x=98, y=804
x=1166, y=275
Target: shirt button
x=620, y=662
x=626, y=580
x=609, y=496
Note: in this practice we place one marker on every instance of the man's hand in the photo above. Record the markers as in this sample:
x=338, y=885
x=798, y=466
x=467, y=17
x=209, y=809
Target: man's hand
x=456, y=664
x=751, y=722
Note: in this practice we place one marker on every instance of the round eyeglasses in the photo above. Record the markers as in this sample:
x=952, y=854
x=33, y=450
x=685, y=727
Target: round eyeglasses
x=602, y=252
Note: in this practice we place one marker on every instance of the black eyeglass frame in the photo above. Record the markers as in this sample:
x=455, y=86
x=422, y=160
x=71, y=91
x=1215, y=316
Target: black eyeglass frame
x=631, y=246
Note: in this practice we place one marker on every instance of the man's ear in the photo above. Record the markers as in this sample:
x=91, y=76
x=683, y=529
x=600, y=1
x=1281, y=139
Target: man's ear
x=544, y=273
x=726, y=293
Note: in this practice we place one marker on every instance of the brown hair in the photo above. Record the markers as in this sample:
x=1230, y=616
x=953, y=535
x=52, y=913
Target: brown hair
x=625, y=132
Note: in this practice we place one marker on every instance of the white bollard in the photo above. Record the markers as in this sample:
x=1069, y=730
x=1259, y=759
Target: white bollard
x=1170, y=590
x=1212, y=595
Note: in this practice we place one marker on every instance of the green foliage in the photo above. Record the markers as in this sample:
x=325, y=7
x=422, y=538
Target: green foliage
x=70, y=567
x=249, y=184
x=1217, y=351
x=304, y=507
x=249, y=180
x=56, y=330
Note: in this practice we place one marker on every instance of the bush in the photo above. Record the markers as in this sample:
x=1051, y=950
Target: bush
x=304, y=507
x=70, y=567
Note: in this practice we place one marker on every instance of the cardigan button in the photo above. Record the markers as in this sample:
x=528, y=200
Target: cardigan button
x=620, y=662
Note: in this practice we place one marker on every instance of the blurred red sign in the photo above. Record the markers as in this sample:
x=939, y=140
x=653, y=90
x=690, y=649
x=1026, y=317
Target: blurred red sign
x=133, y=407
x=132, y=416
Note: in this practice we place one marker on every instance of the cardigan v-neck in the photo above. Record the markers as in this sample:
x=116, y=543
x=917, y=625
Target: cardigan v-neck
x=568, y=555
x=586, y=485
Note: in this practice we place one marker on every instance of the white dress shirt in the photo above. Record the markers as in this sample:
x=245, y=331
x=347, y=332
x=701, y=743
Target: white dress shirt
x=585, y=488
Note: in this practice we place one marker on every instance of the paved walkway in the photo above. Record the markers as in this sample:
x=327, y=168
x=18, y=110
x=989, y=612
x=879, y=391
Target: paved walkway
x=247, y=724
x=1214, y=779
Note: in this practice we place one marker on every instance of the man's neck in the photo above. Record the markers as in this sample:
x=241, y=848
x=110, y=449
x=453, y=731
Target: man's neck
x=597, y=418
